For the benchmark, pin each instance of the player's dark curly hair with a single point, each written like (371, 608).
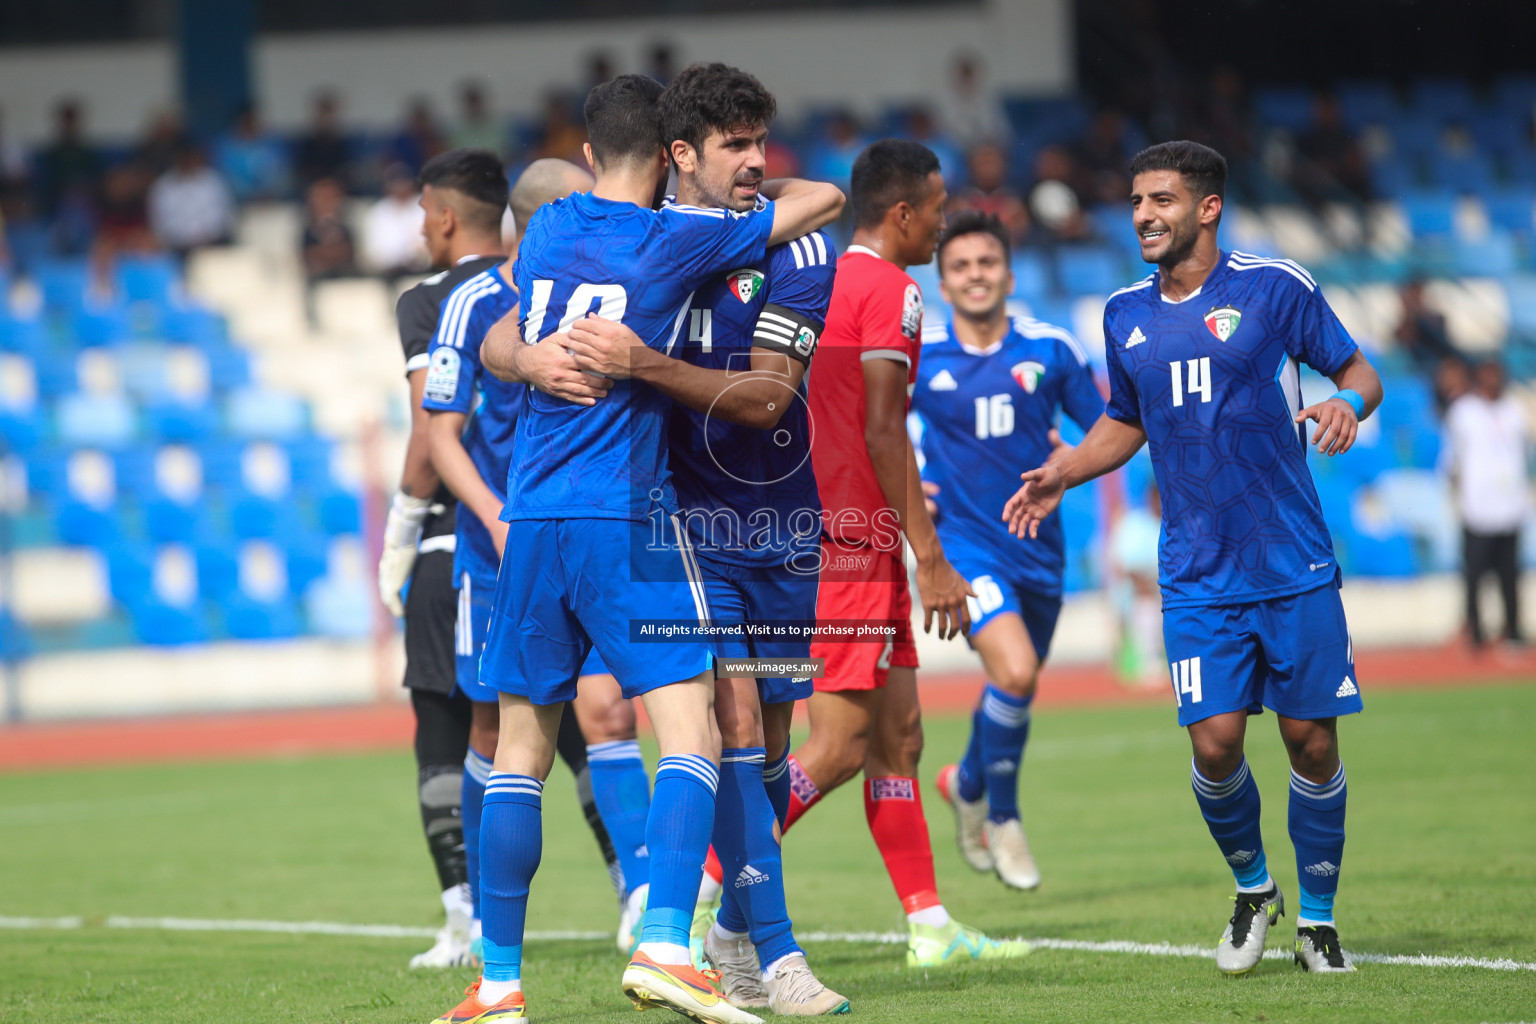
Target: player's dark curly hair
(1204, 170)
(477, 175)
(621, 119)
(889, 172)
(709, 97)
(975, 222)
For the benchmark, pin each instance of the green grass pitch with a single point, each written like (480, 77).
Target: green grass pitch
(1441, 860)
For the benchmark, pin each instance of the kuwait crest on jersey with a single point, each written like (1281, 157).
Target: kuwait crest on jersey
(1223, 322)
(745, 284)
(1028, 374)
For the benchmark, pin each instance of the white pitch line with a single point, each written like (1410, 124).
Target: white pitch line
(395, 931)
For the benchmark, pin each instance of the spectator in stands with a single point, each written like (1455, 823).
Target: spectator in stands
(1102, 157)
(419, 139)
(599, 70)
(972, 112)
(1486, 453)
(122, 212)
(477, 128)
(562, 136)
(254, 164)
(328, 249)
(323, 151)
(189, 205)
(392, 244)
(162, 144)
(1331, 165)
(1452, 380)
(1422, 332)
(831, 157)
(921, 127)
(1054, 204)
(663, 62)
(989, 191)
(15, 178)
(69, 168)
(1223, 120)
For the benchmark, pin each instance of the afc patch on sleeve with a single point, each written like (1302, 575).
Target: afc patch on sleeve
(911, 311)
(442, 376)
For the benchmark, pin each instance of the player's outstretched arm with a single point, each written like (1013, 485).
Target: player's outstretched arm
(800, 207)
(1337, 418)
(940, 588)
(547, 365)
(755, 397)
(408, 511)
(1107, 446)
(445, 430)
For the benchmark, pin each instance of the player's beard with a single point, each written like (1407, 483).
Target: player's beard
(1182, 237)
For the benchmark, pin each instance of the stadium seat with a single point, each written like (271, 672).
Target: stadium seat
(341, 511)
(1391, 177)
(1415, 137)
(1512, 209)
(1443, 100)
(1391, 556)
(163, 625)
(1287, 107)
(1367, 102)
(254, 413)
(229, 367)
(148, 278)
(22, 430)
(1031, 276)
(1466, 173)
(175, 421)
(1088, 270)
(253, 516)
(107, 421)
(95, 325)
(1494, 255)
(218, 569)
(221, 461)
(63, 283)
(84, 524)
(25, 335)
(248, 619)
(167, 521)
(307, 556)
(130, 571)
(1430, 214)
(16, 641)
(340, 609)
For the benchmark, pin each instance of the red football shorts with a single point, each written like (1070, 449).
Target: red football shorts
(863, 589)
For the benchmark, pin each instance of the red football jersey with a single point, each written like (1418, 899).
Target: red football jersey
(876, 313)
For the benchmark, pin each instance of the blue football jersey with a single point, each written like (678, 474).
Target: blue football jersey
(455, 380)
(1214, 381)
(748, 496)
(587, 254)
(985, 418)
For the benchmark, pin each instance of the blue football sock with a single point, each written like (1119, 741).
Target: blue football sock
(477, 772)
(776, 781)
(623, 795)
(972, 776)
(1231, 809)
(677, 832)
(1317, 833)
(750, 861)
(1004, 731)
(511, 842)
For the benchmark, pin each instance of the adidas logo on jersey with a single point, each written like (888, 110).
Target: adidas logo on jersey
(942, 381)
(1136, 337)
(1347, 688)
(1238, 858)
(750, 876)
(1323, 868)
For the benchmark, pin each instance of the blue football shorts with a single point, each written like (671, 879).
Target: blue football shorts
(739, 595)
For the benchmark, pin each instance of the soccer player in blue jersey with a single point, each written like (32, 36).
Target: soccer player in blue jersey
(739, 451)
(1203, 361)
(586, 484)
(472, 419)
(990, 390)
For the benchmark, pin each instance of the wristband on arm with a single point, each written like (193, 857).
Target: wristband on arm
(1353, 398)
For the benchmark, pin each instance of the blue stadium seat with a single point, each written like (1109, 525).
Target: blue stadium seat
(1513, 209)
(95, 325)
(1497, 131)
(1415, 137)
(16, 641)
(248, 619)
(22, 430)
(135, 471)
(106, 421)
(1520, 166)
(1088, 271)
(221, 461)
(194, 325)
(1392, 556)
(1445, 100)
(218, 569)
(1522, 306)
(24, 335)
(309, 462)
(1430, 214)
(341, 511)
(167, 521)
(172, 420)
(268, 415)
(1031, 276)
(148, 278)
(130, 571)
(1367, 102)
(163, 625)
(342, 609)
(1492, 256)
(1467, 173)
(307, 556)
(63, 282)
(56, 374)
(83, 524)
(1392, 176)
(253, 516)
(1287, 107)
(228, 367)
(1516, 93)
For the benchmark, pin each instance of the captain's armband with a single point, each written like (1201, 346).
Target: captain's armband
(784, 330)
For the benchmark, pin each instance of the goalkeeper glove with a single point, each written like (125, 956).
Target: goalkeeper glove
(402, 532)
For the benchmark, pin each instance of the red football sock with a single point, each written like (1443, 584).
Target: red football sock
(894, 807)
(803, 794)
(712, 866)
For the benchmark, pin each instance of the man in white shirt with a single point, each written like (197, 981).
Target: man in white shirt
(189, 205)
(1486, 455)
(392, 228)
